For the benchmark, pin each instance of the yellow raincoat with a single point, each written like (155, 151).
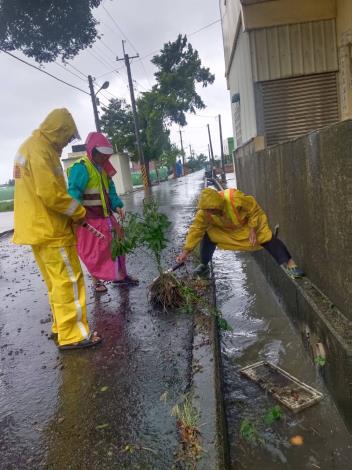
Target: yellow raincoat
(43, 209)
(229, 231)
(43, 217)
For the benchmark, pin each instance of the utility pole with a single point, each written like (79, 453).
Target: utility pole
(223, 175)
(211, 151)
(94, 103)
(145, 174)
(182, 149)
(190, 150)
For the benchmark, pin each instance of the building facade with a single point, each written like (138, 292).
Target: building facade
(288, 66)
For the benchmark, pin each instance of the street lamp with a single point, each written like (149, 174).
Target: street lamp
(93, 96)
(104, 86)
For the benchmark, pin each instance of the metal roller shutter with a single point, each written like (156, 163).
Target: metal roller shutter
(295, 106)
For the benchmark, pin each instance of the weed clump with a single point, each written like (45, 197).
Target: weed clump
(166, 292)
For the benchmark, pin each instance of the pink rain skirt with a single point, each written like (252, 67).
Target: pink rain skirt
(96, 252)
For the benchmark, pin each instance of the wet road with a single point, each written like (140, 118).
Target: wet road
(96, 408)
(6, 221)
(262, 331)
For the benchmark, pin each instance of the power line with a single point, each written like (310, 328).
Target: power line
(101, 60)
(204, 27)
(111, 71)
(44, 71)
(108, 47)
(77, 70)
(69, 71)
(187, 34)
(119, 28)
(99, 51)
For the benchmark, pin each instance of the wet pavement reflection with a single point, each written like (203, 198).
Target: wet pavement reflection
(262, 331)
(94, 408)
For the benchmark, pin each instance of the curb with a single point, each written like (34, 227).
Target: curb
(6, 232)
(326, 333)
(207, 394)
(207, 389)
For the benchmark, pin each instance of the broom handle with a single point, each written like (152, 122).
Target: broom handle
(178, 265)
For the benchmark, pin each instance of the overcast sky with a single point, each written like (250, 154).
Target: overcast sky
(28, 95)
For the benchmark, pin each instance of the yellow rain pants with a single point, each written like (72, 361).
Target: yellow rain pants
(62, 273)
(44, 213)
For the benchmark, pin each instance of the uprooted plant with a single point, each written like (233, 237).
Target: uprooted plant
(167, 290)
(129, 238)
(187, 421)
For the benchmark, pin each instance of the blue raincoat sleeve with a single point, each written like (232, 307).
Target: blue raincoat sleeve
(78, 178)
(115, 201)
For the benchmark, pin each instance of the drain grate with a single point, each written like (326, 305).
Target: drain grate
(285, 388)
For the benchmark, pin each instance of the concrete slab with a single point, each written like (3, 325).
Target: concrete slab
(97, 408)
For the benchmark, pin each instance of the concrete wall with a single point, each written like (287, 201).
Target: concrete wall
(123, 178)
(344, 44)
(280, 12)
(240, 80)
(293, 50)
(230, 11)
(305, 185)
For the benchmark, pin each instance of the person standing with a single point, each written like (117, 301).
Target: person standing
(90, 184)
(43, 218)
(233, 221)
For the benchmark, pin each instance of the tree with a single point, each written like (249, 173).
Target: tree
(169, 156)
(117, 123)
(47, 29)
(179, 70)
(155, 135)
(197, 163)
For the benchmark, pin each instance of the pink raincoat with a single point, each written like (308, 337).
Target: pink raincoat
(93, 251)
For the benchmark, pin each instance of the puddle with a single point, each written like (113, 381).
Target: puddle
(262, 331)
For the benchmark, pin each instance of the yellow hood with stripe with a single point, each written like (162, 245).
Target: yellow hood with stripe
(210, 199)
(43, 209)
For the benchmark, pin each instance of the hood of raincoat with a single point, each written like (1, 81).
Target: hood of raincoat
(98, 140)
(210, 199)
(59, 127)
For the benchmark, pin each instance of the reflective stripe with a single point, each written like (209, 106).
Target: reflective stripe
(105, 150)
(229, 196)
(20, 160)
(72, 207)
(94, 202)
(75, 292)
(92, 191)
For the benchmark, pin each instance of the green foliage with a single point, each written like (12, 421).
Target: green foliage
(174, 94)
(6, 206)
(7, 193)
(154, 133)
(154, 227)
(198, 162)
(273, 414)
(248, 431)
(320, 361)
(47, 29)
(117, 123)
(179, 70)
(132, 229)
(170, 155)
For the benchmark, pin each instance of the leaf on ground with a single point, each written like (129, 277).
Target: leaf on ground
(104, 389)
(102, 426)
